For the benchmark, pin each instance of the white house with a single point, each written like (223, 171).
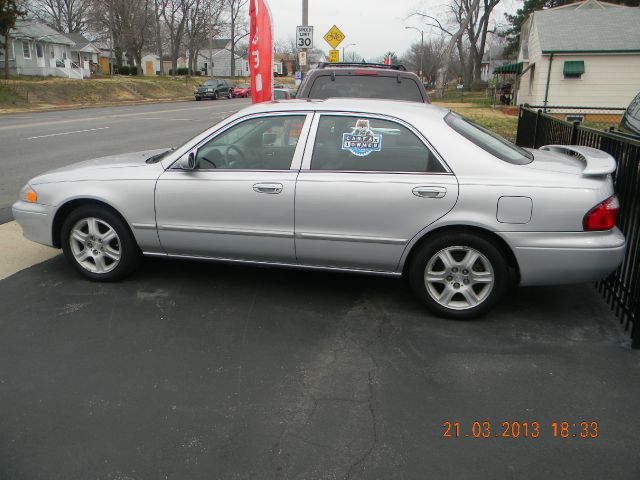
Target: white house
(493, 57)
(218, 54)
(84, 53)
(584, 54)
(36, 49)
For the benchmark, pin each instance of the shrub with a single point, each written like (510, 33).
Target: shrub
(124, 70)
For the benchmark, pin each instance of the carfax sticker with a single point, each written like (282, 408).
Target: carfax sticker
(362, 141)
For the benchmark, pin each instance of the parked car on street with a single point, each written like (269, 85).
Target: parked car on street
(362, 80)
(373, 186)
(214, 89)
(242, 90)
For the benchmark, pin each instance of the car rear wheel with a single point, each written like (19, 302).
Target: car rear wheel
(98, 244)
(229, 95)
(459, 275)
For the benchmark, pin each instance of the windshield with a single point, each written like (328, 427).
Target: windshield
(489, 141)
(210, 83)
(366, 86)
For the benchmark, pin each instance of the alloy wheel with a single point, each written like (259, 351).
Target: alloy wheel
(95, 245)
(459, 277)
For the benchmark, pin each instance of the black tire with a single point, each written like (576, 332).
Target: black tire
(457, 244)
(215, 95)
(129, 252)
(229, 96)
(198, 99)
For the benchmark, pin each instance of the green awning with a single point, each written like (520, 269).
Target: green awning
(573, 67)
(509, 68)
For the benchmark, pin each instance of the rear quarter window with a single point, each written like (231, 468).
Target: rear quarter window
(488, 141)
(366, 86)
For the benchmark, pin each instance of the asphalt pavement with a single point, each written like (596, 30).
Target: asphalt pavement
(207, 371)
(32, 143)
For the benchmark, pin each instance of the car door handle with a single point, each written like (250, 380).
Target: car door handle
(271, 188)
(430, 192)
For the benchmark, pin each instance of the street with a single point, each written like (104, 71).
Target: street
(33, 143)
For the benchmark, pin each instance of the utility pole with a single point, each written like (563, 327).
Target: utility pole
(305, 21)
(421, 49)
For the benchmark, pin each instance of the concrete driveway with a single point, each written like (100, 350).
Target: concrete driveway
(207, 371)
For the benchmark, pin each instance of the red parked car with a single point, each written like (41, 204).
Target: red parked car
(241, 90)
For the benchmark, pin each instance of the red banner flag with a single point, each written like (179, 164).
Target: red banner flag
(387, 60)
(260, 52)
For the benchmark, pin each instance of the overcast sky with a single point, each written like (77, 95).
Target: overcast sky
(375, 26)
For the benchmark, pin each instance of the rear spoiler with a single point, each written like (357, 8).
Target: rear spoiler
(596, 161)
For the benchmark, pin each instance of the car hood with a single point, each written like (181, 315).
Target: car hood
(103, 168)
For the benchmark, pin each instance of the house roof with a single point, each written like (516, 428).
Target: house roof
(588, 26)
(81, 43)
(218, 43)
(38, 31)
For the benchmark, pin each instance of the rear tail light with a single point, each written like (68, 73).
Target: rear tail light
(603, 216)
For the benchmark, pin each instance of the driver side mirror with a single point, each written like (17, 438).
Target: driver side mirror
(188, 161)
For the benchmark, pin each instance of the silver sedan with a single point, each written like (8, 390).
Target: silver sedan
(372, 186)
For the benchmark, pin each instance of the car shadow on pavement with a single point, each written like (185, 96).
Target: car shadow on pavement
(203, 370)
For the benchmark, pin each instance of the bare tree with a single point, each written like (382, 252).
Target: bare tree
(204, 22)
(470, 26)
(129, 23)
(431, 51)
(68, 16)
(238, 28)
(158, 12)
(175, 15)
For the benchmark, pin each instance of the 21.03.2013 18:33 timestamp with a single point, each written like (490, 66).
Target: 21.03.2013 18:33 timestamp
(516, 429)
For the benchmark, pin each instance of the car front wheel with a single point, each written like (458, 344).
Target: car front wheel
(98, 244)
(459, 275)
(215, 95)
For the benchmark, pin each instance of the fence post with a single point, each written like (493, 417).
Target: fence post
(574, 133)
(535, 129)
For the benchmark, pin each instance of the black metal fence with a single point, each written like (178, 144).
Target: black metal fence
(621, 290)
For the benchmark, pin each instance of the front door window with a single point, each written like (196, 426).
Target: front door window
(263, 143)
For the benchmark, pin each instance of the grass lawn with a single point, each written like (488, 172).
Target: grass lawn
(477, 107)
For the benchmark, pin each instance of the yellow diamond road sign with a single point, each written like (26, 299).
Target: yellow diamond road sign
(334, 37)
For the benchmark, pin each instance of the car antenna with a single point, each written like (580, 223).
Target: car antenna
(333, 76)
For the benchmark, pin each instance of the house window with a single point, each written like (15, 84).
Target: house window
(573, 69)
(64, 54)
(53, 54)
(39, 51)
(26, 51)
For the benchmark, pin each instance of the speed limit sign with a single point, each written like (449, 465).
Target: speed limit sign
(304, 36)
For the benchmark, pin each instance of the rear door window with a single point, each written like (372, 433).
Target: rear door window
(361, 143)
(366, 86)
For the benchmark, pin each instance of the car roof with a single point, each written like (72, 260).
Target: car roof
(393, 108)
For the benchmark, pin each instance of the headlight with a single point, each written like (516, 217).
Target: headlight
(209, 89)
(28, 194)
